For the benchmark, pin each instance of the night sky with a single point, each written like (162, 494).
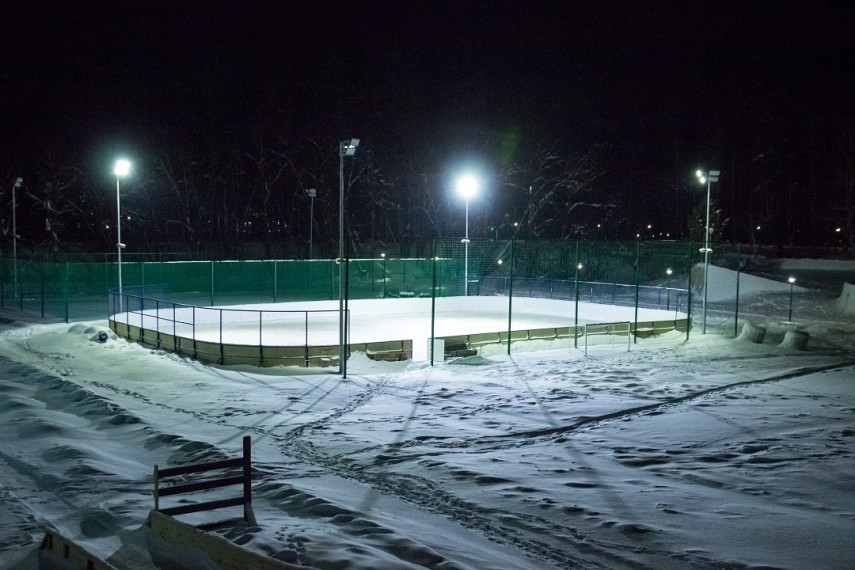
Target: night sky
(654, 88)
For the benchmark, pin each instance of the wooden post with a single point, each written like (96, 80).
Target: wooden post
(156, 490)
(247, 480)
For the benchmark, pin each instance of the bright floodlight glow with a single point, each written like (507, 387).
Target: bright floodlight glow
(579, 266)
(669, 271)
(703, 179)
(699, 173)
(791, 279)
(467, 186)
(122, 168)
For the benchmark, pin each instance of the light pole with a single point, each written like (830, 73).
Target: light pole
(121, 169)
(792, 281)
(576, 318)
(668, 272)
(345, 148)
(311, 193)
(383, 257)
(707, 177)
(467, 187)
(18, 182)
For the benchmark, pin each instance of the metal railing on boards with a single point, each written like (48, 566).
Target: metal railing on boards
(649, 296)
(153, 313)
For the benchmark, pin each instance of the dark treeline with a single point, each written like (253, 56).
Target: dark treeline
(247, 194)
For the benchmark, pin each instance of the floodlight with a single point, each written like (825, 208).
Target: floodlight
(467, 186)
(122, 168)
(348, 148)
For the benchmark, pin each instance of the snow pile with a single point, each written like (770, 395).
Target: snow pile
(722, 284)
(846, 301)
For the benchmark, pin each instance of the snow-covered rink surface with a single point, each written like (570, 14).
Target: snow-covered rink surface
(709, 453)
(316, 323)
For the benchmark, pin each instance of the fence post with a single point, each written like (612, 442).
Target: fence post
(66, 293)
(736, 309)
(247, 483)
(156, 489)
(432, 304)
(576, 295)
(511, 295)
(637, 277)
(212, 282)
(689, 294)
(222, 350)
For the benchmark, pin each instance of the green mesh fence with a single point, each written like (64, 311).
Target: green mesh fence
(617, 273)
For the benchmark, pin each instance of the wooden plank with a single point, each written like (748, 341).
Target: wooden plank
(200, 486)
(203, 506)
(199, 467)
(226, 554)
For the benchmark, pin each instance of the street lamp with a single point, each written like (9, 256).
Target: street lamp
(668, 272)
(576, 319)
(792, 281)
(312, 193)
(707, 178)
(345, 148)
(121, 169)
(18, 182)
(467, 187)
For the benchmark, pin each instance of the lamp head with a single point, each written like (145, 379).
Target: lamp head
(122, 168)
(18, 182)
(467, 186)
(348, 147)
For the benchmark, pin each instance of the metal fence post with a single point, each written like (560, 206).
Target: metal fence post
(738, 272)
(637, 284)
(433, 304)
(511, 295)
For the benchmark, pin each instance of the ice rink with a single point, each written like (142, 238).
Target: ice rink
(315, 323)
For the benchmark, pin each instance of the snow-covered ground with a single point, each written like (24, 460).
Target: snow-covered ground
(709, 453)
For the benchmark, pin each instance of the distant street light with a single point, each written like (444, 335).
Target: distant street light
(707, 178)
(345, 148)
(576, 318)
(18, 182)
(668, 272)
(792, 281)
(121, 169)
(467, 187)
(311, 193)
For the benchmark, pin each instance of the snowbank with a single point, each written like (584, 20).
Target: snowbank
(722, 285)
(846, 301)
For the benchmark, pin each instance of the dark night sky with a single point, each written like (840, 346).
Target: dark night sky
(652, 80)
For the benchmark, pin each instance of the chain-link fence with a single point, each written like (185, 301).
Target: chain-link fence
(622, 273)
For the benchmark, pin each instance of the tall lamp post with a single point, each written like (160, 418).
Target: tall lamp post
(707, 178)
(576, 317)
(792, 281)
(668, 272)
(18, 182)
(345, 148)
(467, 187)
(121, 169)
(311, 193)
